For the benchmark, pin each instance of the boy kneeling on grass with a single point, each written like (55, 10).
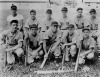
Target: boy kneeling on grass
(13, 38)
(87, 45)
(69, 40)
(34, 43)
(52, 40)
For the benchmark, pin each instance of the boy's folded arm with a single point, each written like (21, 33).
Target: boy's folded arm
(44, 46)
(38, 49)
(15, 47)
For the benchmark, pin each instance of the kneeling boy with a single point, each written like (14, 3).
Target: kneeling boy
(52, 40)
(69, 39)
(13, 39)
(34, 43)
(87, 45)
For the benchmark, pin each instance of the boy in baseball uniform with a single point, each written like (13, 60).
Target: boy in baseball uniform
(35, 50)
(69, 39)
(52, 39)
(13, 40)
(87, 46)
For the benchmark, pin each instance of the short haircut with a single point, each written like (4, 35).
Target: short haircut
(13, 7)
(64, 9)
(79, 8)
(93, 11)
(49, 11)
(14, 21)
(33, 11)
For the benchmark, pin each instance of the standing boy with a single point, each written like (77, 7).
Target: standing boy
(48, 20)
(31, 20)
(79, 20)
(94, 23)
(64, 20)
(15, 16)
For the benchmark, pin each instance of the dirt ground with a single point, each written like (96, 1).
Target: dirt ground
(28, 71)
(18, 70)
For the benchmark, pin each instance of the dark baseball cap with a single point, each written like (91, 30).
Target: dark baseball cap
(49, 11)
(85, 28)
(54, 23)
(33, 11)
(70, 26)
(79, 8)
(92, 11)
(64, 9)
(13, 7)
(33, 26)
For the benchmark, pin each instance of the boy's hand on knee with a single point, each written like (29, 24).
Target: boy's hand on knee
(53, 49)
(82, 55)
(26, 35)
(4, 46)
(7, 49)
(46, 55)
(63, 46)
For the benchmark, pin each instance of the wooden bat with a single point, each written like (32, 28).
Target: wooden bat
(63, 59)
(77, 61)
(26, 52)
(44, 61)
(26, 48)
(5, 54)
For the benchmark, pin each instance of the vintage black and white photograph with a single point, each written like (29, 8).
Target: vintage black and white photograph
(49, 38)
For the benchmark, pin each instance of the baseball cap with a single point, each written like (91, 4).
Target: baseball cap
(85, 28)
(33, 26)
(13, 7)
(54, 23)
(93, 10)
(79, 8)
(64, 9)
(49, 11)
(33, 11)
(70, 26)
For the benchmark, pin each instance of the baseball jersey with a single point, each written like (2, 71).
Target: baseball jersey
(29, 22)
(35, 41)
(13, 39)
(79, 22)
(94, 23)
(98, 41)
(66, 38)
(86, 44)
(47, 24)
(52, 37)
(64, 22)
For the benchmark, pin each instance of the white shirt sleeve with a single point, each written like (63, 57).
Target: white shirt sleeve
(8, 18)
(22, 17)
(26, 24)
(46, 35)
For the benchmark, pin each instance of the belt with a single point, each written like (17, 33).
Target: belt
(63, 29)
(94, 29)
(79, 28)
